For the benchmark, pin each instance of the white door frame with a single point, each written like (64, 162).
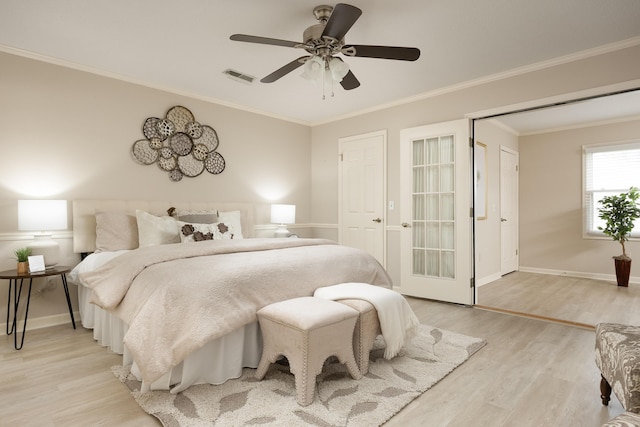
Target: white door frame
(341, 142)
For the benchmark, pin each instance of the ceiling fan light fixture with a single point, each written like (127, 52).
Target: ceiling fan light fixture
(338, 69)
(313, 69)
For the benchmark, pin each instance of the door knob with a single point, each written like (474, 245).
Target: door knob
(503, 220)
(378, 220)
(406, 225)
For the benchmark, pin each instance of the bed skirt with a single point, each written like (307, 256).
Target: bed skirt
(218, 361)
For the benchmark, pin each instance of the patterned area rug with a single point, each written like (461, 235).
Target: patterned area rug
(340, 401)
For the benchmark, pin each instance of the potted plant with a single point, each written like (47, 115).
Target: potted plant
(22, 255)
(620, 212)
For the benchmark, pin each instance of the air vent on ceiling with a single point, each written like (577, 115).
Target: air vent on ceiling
(238, 76)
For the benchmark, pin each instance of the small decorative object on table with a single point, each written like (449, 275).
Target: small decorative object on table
(22, 255)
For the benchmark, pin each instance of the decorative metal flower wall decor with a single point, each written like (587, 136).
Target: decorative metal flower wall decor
(179, 144)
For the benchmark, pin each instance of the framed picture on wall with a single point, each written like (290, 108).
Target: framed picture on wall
(480, 179)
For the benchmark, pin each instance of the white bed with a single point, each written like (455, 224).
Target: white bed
(215, 361)
(233, 352)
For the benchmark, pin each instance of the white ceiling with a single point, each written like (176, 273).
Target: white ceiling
(184, 45)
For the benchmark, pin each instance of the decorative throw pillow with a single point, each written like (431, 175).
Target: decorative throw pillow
(197, 232)
(233, 220)
(156, 230)
(115, 231)
(195, 216)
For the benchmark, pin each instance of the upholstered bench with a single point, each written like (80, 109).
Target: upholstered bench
(366, 330)
(626, 419)
(307, 331)
(618, 358)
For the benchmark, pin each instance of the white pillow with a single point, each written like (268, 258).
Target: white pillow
(156, 230)
(233, 220)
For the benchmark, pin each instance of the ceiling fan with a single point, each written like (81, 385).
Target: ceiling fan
(325, 40)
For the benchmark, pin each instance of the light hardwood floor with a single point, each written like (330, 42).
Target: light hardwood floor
(531, 373)
(573, 299)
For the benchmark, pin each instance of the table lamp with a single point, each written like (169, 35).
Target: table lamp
(43, 216)
(281, 215)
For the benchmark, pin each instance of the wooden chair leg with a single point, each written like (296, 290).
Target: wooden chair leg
(605, 391)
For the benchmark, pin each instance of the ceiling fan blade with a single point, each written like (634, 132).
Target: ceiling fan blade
(383, 52)
(282, 71)
(349, 81)
(341, 20)
(263, 40)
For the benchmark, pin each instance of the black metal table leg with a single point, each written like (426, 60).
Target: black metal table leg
(9, 332)
(16, 303)
(66, 292)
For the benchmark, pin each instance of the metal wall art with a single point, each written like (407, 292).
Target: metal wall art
(179, 145)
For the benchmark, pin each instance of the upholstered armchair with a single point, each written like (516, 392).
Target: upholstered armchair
(618, 358)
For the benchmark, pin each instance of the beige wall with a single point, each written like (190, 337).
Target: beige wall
(67, 134)
(551, 202)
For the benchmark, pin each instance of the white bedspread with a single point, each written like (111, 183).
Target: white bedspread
(177, 297)
(398, 322)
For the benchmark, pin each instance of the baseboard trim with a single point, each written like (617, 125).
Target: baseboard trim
(46, 321)
(582, 275)
(488, 279)
(536, 317)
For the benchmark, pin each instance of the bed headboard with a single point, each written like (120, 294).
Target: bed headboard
(84, 220)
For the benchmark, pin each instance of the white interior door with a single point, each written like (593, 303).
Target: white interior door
(508, 210)
(363, 193)
(436, 212)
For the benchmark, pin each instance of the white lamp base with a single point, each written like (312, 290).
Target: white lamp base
(44, 245)
(282, 232)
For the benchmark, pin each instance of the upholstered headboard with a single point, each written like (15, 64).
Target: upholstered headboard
(84, 220)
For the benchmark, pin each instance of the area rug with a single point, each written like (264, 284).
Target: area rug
(340, 401)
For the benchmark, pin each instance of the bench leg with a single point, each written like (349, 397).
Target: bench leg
(605, 391)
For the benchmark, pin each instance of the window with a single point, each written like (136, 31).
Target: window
(608, 170)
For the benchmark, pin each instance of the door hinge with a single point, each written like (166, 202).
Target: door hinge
(471, 212)
(472, 283)
(341, 159)
(470, 142)
(516, 252)
(517, 169)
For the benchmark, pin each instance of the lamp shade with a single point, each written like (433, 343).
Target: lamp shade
(283, 214)
(42, 215)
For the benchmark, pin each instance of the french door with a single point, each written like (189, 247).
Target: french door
(436, 201)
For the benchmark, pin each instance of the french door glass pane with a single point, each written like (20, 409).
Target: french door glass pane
(433, 179)
(418, 152)
(448, 265)
(418, 179)
(418, 263)
(447, 153)
(433, 263)
(446, 212)
(419, 235)
(433, 207)
(432, 151)
(447, 239)
(446, 178)
(433, 235)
